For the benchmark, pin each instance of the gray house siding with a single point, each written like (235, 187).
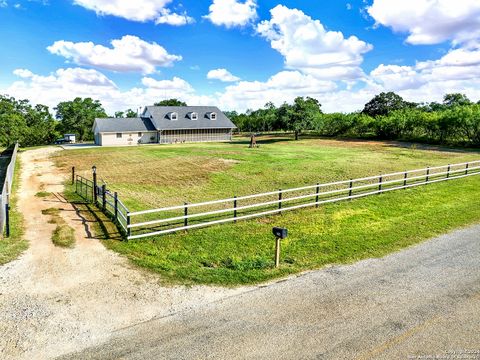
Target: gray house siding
(166, 125)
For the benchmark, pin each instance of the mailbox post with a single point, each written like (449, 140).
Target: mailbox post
(280, 234)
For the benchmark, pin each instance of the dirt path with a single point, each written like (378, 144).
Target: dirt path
(54, 301)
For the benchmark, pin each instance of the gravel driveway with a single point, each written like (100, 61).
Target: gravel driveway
(54, 300)
(421, 301)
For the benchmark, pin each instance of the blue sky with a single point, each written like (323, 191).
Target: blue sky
(238, 54)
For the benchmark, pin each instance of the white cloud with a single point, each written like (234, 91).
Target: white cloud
(284, 86)
(128, 54)
(174, 19)
(222, 75)
(430, 21)
(231, 13)
(3, 3)
(67, 84)
(139, 10)
(456, 65)
(307, 46)
(175, 85)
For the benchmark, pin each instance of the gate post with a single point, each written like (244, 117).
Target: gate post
(115, 198)
(7, 220)
(104, 197)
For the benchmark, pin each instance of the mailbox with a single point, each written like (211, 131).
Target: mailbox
(279, 232)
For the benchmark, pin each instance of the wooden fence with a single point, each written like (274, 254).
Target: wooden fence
(6, 193)
(154, 222)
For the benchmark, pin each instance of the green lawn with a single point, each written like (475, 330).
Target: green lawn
(155, 176)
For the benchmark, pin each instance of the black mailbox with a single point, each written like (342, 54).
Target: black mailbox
(279, 232)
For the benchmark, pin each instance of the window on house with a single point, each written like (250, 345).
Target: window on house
(173, 116)
(139, 134)
(119, 135)
(194, 116)
(213, 116)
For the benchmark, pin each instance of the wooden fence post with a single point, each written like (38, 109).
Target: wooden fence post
(185, 213)
(405, 175)
(277, 251)
(73, 175)
(428, 173)
(380, 179)
(448, 171)
(466, 169)
(350, 188)
(235, 208)
(317, 197)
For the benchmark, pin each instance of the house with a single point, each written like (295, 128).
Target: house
(165, 125)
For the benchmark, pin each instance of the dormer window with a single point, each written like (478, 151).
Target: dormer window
(212, 116)
(172, 116)
(193, 116)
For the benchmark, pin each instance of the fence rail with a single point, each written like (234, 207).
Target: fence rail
(6, 192)
(153, 222)
(107, 201)
(275, 202)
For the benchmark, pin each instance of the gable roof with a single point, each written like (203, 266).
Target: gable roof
(161, 120)
(123, 125)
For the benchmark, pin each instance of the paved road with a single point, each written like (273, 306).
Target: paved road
(422, 301)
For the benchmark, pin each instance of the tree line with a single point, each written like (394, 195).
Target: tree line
(34, 125)
(387, 116)
(455, 121)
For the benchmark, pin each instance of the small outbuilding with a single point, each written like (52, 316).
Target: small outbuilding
(70, 138)
(165, 125)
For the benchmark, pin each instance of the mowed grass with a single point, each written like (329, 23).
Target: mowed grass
(242, 253)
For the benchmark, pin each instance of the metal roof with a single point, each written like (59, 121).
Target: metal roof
(161, 120)
(123, 125)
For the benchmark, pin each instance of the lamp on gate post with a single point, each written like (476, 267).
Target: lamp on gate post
(94, 171)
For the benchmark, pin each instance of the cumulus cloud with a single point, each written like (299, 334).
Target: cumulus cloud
(283, 86)
(67, 84)
(430, 21)
(456, 65)
(307, 46)
(128, 54)
(231, 13)
(167, 17)
(139, 10)
(222, 75)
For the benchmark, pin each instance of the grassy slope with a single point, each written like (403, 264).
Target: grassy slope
(243, 253)
(12, 247)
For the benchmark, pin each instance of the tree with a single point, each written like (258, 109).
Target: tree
(30, 125)
(77, 116)
(131, 114)
(126, 114)
(456, 99)
(384, 103)
(303, 114)
(170, 102)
